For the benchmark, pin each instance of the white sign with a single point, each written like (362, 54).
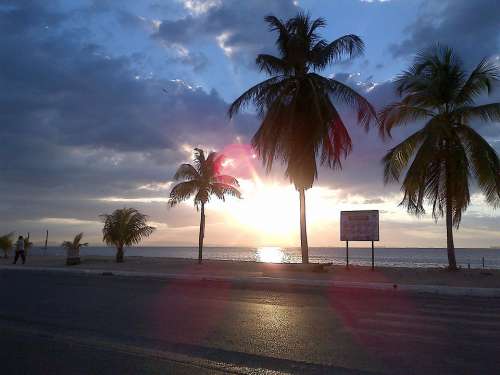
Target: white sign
(359, 225)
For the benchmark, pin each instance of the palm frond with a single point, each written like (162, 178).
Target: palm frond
(421, 182)
(186, 172)
(202, 196)
(226, 179)
(323, 54)
(332, 134)
(275, 24)
(346, 95)
(199, 158)
(435, 77)
(338, 144)
(259, 95)
(315, 25)
(400, 113)
(397, 159)
(481, 80)
(75, 244)
(273, 65)
(182, 191)
(486, 112)
(485, 163)
(221, 190)
(301, 25)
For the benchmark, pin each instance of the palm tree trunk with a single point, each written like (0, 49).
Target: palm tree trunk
(119, 254)
(202, 234)
(452, 262)
(303, 230)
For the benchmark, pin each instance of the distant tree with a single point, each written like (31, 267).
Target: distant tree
(202, 180)
(6, 243)
(125, 227)
(73, 249)
(300, 121)
(441, 158)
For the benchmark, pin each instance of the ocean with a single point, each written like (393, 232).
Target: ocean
(386, 257)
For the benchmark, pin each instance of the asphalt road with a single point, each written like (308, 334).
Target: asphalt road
(68, 324)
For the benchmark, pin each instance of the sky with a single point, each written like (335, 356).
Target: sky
(100, 101)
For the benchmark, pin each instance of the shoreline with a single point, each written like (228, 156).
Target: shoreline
(425, 258)
(56, 246)
(384, 257)
(489, 278)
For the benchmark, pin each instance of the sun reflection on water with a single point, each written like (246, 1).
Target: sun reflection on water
(270, 255)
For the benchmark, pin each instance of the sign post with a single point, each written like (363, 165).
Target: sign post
(347, 254)
(359, 226)
(373, 257)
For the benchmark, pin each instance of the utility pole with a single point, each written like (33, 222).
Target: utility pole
(46, 239)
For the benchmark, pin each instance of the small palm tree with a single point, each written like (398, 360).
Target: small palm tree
(202, 180)
(299, 119)
(6, 243)
(73, 249)
(125, 227)
(441, 157)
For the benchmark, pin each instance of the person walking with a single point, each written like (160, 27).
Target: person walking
(20, 250)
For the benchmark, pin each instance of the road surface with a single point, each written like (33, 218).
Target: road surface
(72, 324)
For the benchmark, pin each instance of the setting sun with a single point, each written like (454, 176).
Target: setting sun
(272, 209)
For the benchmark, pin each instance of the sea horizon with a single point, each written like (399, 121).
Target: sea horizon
(413, 257)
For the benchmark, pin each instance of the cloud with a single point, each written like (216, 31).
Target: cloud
(66, 221)
(237, 27)
(85, 130)
(78, 124)
(469, 26)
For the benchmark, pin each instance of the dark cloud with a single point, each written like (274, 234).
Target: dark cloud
(21, 16)
(238, 26)
(78, 125)
(472, 27)
(197, 60)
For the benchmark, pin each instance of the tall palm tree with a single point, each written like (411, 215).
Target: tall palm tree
(6, 243)
(124, 227)
(441, 157)
(202, 180)
(73, 249)
(296, 104)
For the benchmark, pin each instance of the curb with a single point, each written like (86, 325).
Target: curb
(264, 281)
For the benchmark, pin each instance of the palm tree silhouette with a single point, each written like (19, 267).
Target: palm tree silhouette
(203, 179)
(446, 152)
(124, 227)
(6, 243)
(73, 249)
(299, 119)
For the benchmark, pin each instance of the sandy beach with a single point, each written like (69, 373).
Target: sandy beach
(399, 275)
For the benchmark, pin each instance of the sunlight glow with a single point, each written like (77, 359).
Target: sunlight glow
(269, 208)
(270, 255)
